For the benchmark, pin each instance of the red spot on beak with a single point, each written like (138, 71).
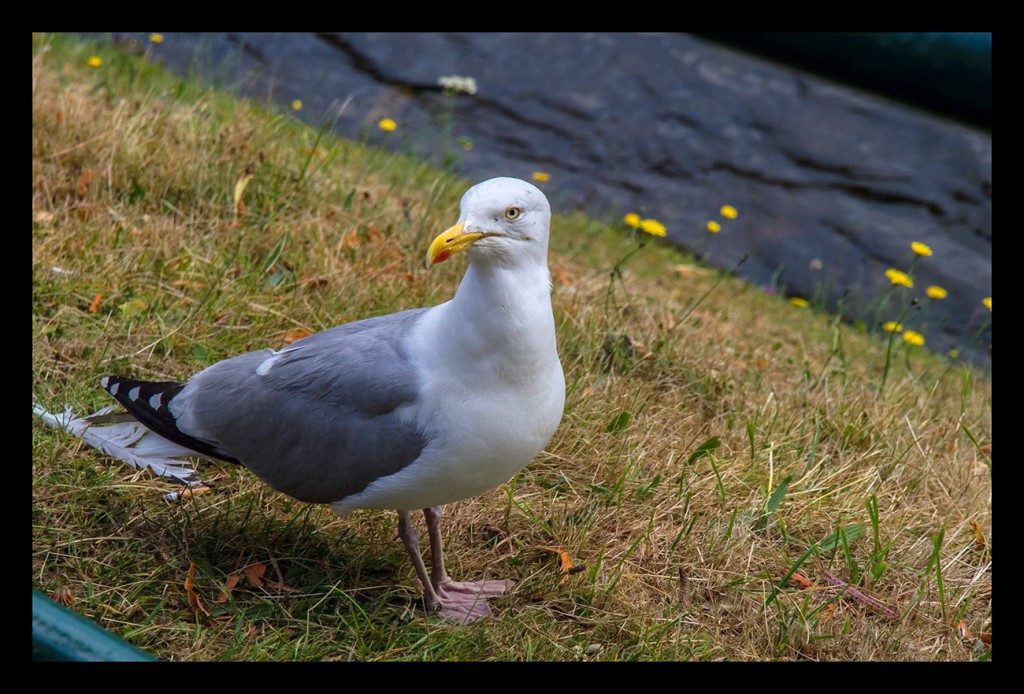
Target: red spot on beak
(442, 256)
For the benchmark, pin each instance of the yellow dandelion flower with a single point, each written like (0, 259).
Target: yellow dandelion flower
(901, 278)
(541, 176)
(156, 38)
(714, 227)
(632, 219)
(913, 338)
(920, 248)
(94, 61)
(653, 227)
(297, 105)
(936, 292)
(988, 303)
(387, 125)
(893, 327)
(815, 264)
(729, 212)
(798, 302)
(954, 353)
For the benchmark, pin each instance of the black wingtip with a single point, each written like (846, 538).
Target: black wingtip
(148, 402)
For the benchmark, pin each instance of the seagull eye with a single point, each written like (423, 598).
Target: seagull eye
(513, 213)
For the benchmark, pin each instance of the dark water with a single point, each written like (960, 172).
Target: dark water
(832, 184)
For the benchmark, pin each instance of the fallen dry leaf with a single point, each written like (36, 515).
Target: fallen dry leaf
(229, 585)
(567, 567)
(979, 537)
(95, 305)
(800, 581)
(193, 598)
(190, 492)
(827, 613)
(963, 629)
(986, 637)
(63, 596)
(351, 240)
(296, 334)
(566, 564)
(254, 573)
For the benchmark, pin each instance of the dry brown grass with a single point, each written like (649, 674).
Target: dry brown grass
(676, 555)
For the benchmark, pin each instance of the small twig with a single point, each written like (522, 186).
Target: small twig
(874, 603)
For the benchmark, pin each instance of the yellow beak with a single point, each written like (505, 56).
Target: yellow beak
(453, 241)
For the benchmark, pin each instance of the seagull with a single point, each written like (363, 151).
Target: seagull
(406, 411)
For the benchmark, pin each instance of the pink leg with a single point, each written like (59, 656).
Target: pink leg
(461, 602)
(410, 537)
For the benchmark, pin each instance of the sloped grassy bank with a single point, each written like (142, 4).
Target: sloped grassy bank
(726, 461)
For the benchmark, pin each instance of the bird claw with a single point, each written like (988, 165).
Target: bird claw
(465, 602)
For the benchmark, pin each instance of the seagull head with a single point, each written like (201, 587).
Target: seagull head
(502, 220)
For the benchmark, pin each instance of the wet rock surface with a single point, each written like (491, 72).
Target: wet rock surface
(832, 184)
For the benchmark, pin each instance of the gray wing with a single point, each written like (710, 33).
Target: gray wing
(320, 423)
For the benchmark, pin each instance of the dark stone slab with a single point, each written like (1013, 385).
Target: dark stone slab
(832, 184)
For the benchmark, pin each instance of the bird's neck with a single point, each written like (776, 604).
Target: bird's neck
(509, 309)
(508, 293)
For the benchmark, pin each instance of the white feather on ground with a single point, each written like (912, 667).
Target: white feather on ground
(129, 442)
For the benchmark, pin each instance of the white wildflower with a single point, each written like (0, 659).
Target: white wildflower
(457, 84)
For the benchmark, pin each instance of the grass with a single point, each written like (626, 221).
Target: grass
(722, 453)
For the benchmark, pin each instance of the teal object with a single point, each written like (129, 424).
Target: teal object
(948, 73)
(60, 634)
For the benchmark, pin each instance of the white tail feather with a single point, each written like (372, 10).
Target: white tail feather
(129, 442)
